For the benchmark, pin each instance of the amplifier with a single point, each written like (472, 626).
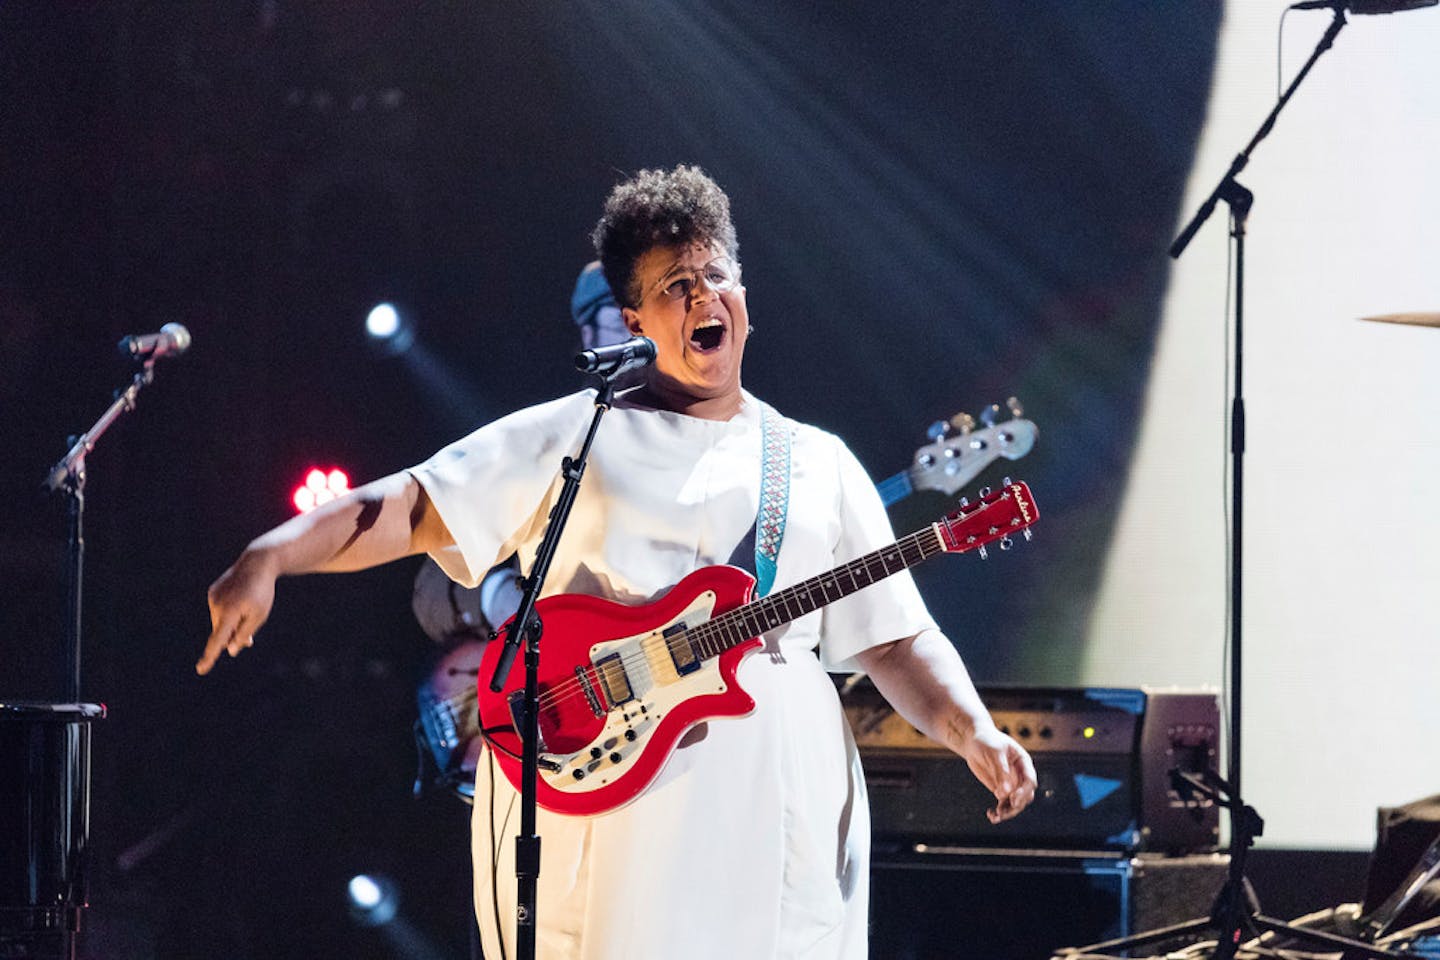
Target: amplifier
(1026, 906)
(1102, 756)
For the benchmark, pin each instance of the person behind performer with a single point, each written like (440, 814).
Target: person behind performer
(753, 839)
(597, 316)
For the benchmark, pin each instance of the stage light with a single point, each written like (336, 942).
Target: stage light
(373, 901)
(389, 329)
(383, 321)
(320, 486)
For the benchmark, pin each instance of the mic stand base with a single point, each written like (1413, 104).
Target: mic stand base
(1236, 910)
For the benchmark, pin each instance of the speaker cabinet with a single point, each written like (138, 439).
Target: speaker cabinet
(1012, 905)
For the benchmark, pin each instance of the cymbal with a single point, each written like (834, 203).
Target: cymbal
(1413, 319)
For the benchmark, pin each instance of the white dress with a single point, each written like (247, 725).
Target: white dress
(753, 842)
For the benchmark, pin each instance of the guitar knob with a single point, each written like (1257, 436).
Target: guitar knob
(990, 415)
(962, 422)
(1016, 410)
(984, 492)
(937, 430)
(926, 459)
(1006, 543)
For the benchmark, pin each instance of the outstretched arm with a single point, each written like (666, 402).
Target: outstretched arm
(374, 524)
(925, 680)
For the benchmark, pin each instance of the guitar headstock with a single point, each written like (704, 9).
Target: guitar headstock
(960, 449)
(996, 515)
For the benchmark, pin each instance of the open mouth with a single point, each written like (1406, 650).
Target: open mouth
(707, 335)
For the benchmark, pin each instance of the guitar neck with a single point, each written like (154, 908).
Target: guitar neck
(728, 630)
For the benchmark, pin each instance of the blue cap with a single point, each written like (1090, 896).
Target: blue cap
(591, 294)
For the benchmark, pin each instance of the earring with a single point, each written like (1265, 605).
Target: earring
(749, 331)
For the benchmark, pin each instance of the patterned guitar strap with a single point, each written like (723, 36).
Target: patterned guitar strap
(774, 496)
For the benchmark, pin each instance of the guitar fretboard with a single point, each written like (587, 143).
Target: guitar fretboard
(714, 637)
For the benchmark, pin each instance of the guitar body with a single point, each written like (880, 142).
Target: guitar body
(619, 686)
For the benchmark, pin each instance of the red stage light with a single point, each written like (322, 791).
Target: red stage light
(320, 486)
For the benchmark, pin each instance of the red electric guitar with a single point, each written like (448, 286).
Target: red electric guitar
(620, 685)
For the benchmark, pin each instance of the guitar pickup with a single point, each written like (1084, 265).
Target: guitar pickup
(682, 652)
(614, 681)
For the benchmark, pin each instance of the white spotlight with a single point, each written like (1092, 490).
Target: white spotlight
(389, 329)
(383, 321)
(373, 901)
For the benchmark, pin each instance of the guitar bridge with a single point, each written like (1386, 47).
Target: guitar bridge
(592, 697)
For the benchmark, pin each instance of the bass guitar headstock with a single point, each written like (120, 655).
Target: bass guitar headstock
(960, 448)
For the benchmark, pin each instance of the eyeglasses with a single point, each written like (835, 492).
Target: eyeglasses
(721, 275)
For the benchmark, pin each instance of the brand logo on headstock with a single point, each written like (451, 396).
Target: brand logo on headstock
(1021, 502)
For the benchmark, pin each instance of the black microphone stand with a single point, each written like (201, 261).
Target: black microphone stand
(1236, 910)
(69, 475)
(526, 626)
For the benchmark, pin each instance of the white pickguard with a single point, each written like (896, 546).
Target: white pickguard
(656, 686)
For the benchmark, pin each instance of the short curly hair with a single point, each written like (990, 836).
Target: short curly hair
(659, 207)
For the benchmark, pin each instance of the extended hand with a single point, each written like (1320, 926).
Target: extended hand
(1005, 769)
(240, 601)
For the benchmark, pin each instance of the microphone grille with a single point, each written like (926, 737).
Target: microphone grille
(179, 336)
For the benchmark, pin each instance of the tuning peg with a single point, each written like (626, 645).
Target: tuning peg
(1006, 543)
(937, 430)
(1005, 482)
(962, 422)
(984, 492)
(1015, 409)
(984, 554)
(990, 415)
(1027, 534)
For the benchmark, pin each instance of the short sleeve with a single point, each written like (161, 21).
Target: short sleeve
(888, 610)
(491, 488)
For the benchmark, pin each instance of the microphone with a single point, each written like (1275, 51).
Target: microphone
(616, 359)
(1366, 7)
(172, 340)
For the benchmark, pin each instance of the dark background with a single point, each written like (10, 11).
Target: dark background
(939, 206)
